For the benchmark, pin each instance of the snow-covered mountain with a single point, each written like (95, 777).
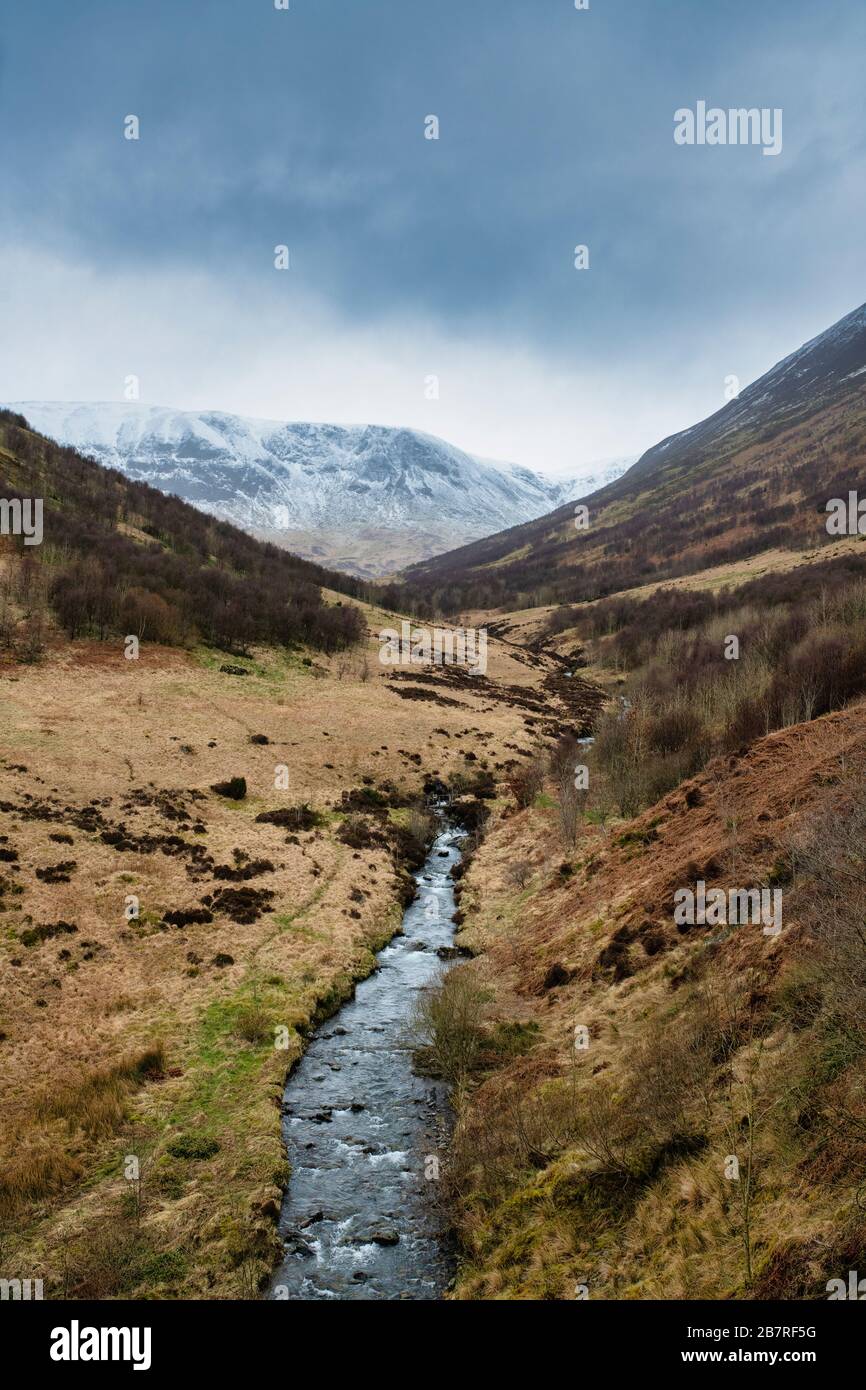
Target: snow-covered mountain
(366, 498)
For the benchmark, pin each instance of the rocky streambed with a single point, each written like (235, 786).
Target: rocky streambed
(365, 1134)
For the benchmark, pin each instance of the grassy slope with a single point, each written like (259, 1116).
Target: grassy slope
(537, 1224)
(88, 726)
(681, 519)
(127, 1038)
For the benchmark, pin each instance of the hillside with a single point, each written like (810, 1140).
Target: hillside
(654, 1106)
(362, 498)
(755, 476)
(198, 849)
(118, 557)
(606, 1060)
(594, 1161)
(204, 847)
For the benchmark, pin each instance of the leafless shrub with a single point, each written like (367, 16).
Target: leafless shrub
(830, 898)
(526, 782)
(570, 808)
(563, 757)
(447, 1025)
(519, 873)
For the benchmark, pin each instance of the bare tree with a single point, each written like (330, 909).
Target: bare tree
(571, 804)
(447, 1025)
(519, 873)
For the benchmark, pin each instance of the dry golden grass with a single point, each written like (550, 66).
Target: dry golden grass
(82, 1012)
(536, 1227)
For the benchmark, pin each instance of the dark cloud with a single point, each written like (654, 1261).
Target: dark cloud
(305, 127)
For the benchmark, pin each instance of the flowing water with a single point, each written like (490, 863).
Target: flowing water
(363, 1133)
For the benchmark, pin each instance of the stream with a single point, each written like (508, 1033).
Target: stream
(359, 1218)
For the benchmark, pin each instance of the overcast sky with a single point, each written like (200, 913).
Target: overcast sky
(413, 257)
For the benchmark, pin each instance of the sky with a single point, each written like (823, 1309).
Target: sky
(412, 258)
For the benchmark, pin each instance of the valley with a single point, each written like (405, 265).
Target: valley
(649, 1028)
(432, 677)
(153, 1038)
(367, 499)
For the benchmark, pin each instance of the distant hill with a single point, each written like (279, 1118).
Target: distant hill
(363, 498)
(120, 557)
(755, 475)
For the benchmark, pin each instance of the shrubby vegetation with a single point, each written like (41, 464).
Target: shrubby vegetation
(448, 1027)
(675, 521)
(802, 643)
(621, 1171)
(121, 558)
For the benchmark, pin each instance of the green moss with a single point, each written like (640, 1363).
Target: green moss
(163, 1267)
(637, 837)
(513, 1039)
(193, 1146)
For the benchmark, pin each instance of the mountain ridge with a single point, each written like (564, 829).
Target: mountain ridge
(753, 475)
(819, 367)
(331, 493)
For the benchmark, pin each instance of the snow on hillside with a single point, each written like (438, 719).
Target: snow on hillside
(272, 476)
